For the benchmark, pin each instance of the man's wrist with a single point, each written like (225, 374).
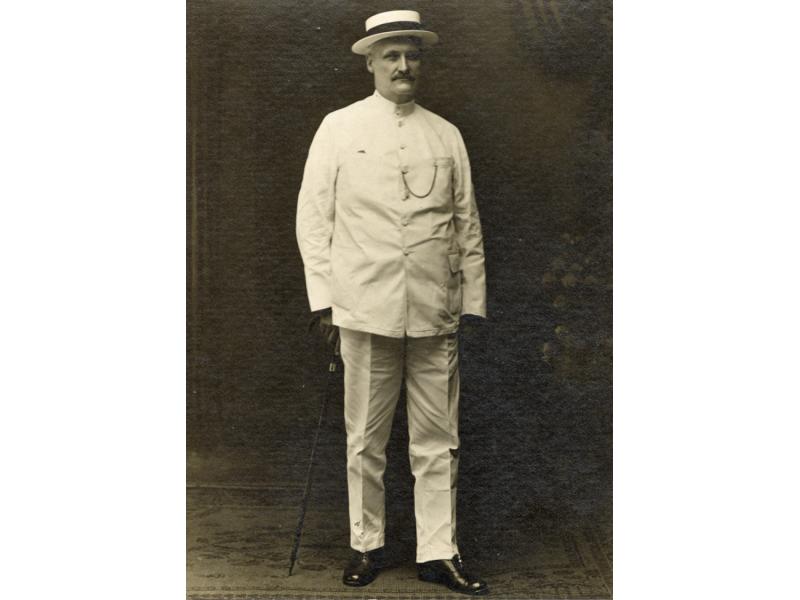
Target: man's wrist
(472, 317)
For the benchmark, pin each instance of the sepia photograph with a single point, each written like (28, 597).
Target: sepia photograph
(399, 299)
(380, 300)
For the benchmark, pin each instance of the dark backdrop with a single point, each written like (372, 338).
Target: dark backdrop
(528, 83)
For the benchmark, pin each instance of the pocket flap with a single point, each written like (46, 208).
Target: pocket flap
(455, 262)
(443, 161)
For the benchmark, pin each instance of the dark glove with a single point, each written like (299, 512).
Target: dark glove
(469, 323)
(323, 320)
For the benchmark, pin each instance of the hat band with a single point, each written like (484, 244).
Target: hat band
(393, 26)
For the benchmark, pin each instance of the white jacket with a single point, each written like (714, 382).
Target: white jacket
(386, 261)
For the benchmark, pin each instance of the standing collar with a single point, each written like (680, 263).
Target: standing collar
(385, 105)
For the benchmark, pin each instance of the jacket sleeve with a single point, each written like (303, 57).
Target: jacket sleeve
(469, 235)
(315, 211)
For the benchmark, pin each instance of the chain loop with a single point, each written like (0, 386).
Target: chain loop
(435, 171)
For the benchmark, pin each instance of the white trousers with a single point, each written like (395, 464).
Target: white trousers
(374, 369)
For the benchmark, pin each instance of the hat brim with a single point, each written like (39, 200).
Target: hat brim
(362, 46)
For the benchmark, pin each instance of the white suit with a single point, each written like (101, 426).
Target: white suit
(390, 237)
(386, 261)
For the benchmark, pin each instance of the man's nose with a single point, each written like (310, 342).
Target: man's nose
(403, 63)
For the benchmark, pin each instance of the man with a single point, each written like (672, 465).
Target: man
(391, 243)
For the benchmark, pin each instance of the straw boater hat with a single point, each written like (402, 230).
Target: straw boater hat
(393, 23)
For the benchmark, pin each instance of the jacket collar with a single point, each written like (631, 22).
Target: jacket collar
(389, 107)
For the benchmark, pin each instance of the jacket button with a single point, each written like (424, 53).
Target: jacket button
(405, 251)
(405, 222)
(399, 123)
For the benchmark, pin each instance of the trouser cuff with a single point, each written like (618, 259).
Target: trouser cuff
(367, 545)
(436, 553)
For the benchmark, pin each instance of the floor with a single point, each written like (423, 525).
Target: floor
(243, 506)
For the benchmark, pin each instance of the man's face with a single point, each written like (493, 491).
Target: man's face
(395, 63)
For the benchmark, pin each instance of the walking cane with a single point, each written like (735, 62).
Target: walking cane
(328, 388)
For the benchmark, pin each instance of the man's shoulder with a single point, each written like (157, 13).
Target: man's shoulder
(434, 117)
(437, 121)
(346, 113)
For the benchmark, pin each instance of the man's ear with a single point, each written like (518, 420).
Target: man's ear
(370, 68)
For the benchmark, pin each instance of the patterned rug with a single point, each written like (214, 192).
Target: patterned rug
(239, 539)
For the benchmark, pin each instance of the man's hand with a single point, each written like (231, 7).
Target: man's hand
(323, 320)
(469, 323)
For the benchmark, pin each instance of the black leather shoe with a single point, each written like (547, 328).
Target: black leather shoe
(363, 567)
(451, 573)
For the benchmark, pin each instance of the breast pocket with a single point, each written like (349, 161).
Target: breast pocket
(443, 168)
(444, 162)
(431, 180)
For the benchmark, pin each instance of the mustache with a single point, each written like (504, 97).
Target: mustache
(407, 77)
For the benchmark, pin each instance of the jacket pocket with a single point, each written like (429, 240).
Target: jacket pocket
(443, 162)
(440, 184)
(455, 262)
(454, 285)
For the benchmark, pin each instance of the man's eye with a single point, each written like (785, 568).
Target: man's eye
(414, 56)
